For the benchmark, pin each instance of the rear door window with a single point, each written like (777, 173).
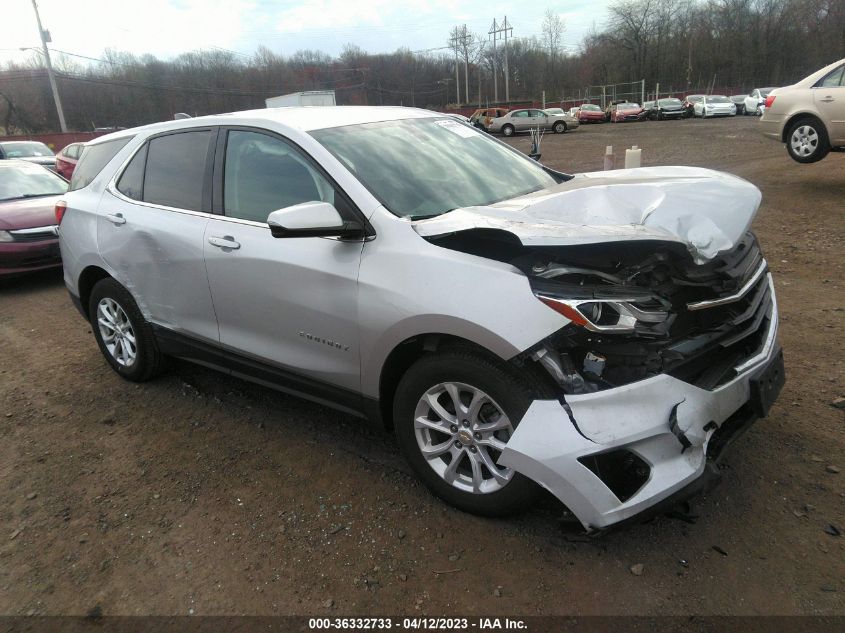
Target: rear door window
(94, 158)
(175, 171)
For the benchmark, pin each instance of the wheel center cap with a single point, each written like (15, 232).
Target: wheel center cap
(465, 437)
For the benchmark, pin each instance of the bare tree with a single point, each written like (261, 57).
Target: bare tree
(553, 28)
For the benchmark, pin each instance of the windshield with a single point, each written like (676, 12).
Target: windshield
(670, 102)
(591, 108)
(28, 181)
(26, 149)
(421, 168)
(718, 99)
(628, 106)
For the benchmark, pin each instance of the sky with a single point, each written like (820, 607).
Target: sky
(165, 28)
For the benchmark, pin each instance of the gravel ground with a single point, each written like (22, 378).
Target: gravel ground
(202, 494)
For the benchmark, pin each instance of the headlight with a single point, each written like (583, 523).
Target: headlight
(5, 236)
(603, 315)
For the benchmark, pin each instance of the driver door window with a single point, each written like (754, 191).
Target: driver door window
(262, 174)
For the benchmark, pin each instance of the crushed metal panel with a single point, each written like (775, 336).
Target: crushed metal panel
(706, 210)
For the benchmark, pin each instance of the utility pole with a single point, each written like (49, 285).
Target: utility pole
(493, 31)
(45, 37)
(502, 28)
(505, 27)
(460, 38)
(465, 36)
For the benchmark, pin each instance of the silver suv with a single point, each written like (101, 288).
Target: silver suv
(602, 336)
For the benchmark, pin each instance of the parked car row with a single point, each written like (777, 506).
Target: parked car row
(40, 154)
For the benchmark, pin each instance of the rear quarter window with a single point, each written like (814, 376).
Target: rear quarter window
(174, 175)
(94, 158)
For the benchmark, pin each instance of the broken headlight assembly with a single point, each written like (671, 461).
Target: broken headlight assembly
(604, 315)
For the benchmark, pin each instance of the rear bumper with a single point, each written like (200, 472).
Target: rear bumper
(771, 126)
(669, 430)
(22, 257)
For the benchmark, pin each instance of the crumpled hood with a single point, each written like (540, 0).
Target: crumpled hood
(708, 211)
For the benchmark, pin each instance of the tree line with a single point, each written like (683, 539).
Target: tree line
(683, 45)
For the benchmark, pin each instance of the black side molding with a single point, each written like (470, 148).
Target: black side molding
(257, 371)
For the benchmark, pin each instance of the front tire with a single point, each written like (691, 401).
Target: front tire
(559, 127)
(807, 141)
(123, 336)
(507, 130)
(453, 413)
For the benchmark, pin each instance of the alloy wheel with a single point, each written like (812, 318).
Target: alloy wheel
(461, 431)
(117, 332)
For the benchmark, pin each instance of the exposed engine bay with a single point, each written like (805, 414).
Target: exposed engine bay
(637, 309)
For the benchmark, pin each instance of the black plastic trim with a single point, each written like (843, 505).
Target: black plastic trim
(77, 303)
(260, 372)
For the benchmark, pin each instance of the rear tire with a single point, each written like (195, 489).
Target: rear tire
(464, 441)
(123, 336)
(807, 141)
(559, 127)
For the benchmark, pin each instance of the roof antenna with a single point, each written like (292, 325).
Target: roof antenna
(181, 115)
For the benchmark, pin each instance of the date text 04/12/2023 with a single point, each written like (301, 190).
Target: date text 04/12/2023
(418, 623)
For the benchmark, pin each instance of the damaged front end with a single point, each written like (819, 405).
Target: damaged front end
(664, 361)
(665, 358)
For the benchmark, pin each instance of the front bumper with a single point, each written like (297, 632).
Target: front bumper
(669, 426)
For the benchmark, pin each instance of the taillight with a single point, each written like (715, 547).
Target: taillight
(61, 207)
(769, 101)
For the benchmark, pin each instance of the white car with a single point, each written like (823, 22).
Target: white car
(601, 336)
(755, 102)
(714, 105)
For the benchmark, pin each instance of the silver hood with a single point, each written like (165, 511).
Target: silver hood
(708, 211)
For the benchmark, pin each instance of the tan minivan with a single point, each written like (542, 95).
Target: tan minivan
(809, 116)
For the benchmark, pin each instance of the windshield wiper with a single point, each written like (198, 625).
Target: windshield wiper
(429, 215)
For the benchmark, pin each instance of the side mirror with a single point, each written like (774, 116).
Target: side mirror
(312, 219)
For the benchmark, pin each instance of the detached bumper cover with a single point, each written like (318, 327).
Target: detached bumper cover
(663, 421)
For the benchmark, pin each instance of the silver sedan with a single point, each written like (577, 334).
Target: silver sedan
(529, 119)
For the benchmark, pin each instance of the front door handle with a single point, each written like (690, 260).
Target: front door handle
(227, 241)
(116, 218)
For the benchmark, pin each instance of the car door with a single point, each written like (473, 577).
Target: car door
(829, 96)
(521, 120)
(539, 119)
(151, 230)
(289, 302)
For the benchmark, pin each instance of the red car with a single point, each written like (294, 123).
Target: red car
(28, 237)
(627, 112)
(67, 158)
(590, 113)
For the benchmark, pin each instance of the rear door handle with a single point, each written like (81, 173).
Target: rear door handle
(116, 218)
(226, 241)
(828, 99)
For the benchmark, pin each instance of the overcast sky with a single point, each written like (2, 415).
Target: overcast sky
(166, 28)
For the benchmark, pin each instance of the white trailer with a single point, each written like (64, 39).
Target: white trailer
(307, 98)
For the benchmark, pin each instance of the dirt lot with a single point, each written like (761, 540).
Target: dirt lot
(202, 494)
